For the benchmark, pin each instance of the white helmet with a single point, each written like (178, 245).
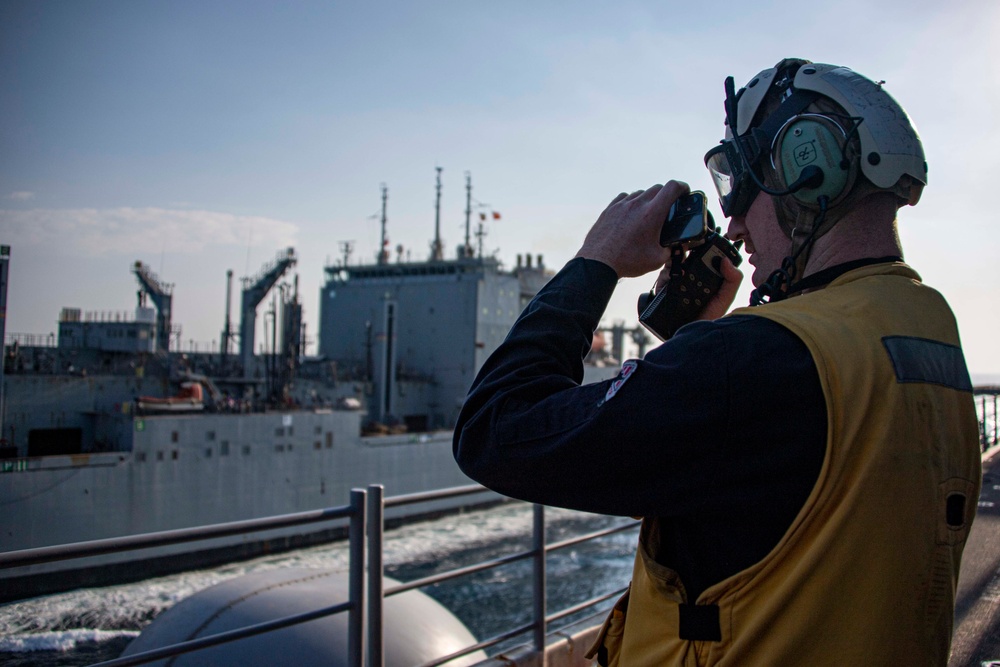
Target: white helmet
(782, 123)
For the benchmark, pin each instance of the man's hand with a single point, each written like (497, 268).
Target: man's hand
(723, 299)
(626, 235)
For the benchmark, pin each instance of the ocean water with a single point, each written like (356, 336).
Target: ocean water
(90, 625)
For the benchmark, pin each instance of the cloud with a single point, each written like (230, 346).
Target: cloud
(21, 195)
(105, 232)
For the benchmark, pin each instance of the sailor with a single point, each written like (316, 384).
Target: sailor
(807, 469)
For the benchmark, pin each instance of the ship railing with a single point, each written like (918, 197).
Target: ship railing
(986, 409)
(365, 510)
(541, 621)
(29, 340)
(354, 511)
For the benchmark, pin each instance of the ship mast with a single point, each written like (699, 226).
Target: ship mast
(227, 332)
(436, 254)
(383, 253)
(467, 248)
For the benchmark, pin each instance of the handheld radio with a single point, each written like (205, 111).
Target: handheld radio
(694, 280)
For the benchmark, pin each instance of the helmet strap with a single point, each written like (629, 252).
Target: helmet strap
(775, 288)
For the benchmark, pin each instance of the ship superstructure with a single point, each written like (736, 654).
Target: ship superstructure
(111, 430)
(419, 332)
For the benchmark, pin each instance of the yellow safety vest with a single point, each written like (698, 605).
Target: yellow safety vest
(866, 574)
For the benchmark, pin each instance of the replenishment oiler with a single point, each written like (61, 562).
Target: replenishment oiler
(108, 430)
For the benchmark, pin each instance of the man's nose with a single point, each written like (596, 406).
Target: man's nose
(737, 228)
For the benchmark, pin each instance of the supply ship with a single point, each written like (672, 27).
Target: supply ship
(108, 430)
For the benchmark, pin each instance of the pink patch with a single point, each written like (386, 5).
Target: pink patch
(627, 369)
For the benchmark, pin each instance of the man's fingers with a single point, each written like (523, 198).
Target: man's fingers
(662, 279)
(732, 278)
(650, 192)
(672, 191)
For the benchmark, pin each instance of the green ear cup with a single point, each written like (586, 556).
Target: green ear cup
(806, 142)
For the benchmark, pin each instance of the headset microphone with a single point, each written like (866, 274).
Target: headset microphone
(811, 177)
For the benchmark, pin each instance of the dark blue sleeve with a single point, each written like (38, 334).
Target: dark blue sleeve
(663, 443)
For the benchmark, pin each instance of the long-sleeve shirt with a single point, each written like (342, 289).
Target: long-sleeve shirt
(720, 431)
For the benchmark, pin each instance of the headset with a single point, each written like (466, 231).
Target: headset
(809, 158)
(808, 153)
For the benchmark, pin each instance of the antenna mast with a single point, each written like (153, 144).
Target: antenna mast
(227, 331)
(346, 248)
(467, 248)
(383, 254)
(436, 254)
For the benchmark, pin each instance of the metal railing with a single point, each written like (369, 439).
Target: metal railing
(986, 411)
(29, 340)
(354, 511)
(366, 510)
(539, 549)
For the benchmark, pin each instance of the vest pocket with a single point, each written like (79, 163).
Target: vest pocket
(608, 645)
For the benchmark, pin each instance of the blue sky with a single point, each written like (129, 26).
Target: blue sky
(204, 136)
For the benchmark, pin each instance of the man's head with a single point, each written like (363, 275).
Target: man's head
(819, 139)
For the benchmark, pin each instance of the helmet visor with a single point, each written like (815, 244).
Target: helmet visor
(735, 187)
(722, 174)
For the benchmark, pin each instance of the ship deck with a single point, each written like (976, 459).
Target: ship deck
(977, 609)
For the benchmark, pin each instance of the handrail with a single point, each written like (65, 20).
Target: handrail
(438, 494)
(223, 637)
(355, 511)
(988, 437)
(458, 572)
(366, 512)
(166, 537)
(540, 620)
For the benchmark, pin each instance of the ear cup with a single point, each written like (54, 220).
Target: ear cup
(813, 141)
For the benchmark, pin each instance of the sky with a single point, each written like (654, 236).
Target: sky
(204, 136)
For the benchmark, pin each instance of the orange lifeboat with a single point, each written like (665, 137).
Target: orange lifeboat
(189, 398)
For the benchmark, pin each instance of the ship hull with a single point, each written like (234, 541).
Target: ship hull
(192, 470)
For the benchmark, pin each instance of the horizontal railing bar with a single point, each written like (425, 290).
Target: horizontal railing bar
(223, 637)
(454, 574)
(590, 536)
(162, 538)
(517, 631)
(496, 640)
(601, 615)
(424, 496)
(583, 605)
(493, 641)
(87, 548)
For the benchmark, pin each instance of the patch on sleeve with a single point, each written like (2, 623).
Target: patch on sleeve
(922, 360)
(626, 372)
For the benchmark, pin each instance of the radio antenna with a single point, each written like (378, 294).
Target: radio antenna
(383, 253)
(467, 248)
(436, 254)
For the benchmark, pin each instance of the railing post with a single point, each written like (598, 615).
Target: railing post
(996, 425)
(376, 587)
(356, 580)
(538, 592)
(983, 438)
